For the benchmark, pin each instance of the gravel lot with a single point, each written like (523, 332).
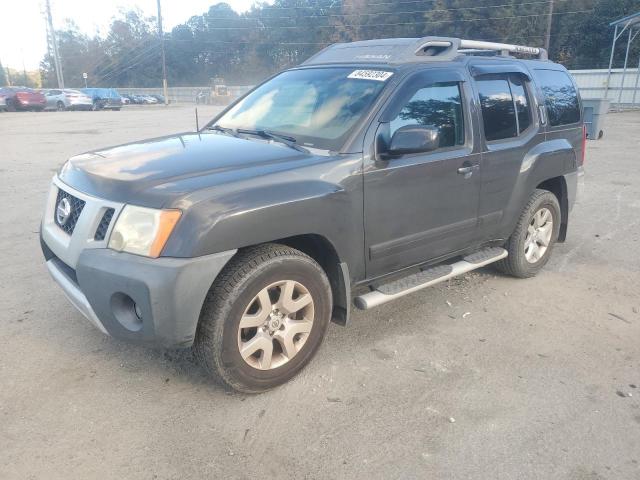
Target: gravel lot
(537, 382)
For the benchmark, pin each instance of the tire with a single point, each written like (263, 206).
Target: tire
(11, 106)
(96, 106)
(60, 107)
(234, 296)
(526, 258)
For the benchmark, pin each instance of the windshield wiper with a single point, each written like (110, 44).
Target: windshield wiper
(276, 137)
(228, 131)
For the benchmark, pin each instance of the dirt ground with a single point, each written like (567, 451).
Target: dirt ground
(540, 380)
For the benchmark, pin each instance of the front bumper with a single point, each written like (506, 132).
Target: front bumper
(144, 300)
(155, 301)
(80, 104)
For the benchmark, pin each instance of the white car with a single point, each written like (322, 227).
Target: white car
(67, 99)
(56, 100)
(149, 99)
(76, 100)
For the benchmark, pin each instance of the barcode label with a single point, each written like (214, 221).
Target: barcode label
(378, 75)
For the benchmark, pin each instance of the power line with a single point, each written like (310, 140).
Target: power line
(340, 15)
(347, 4)
(293, 44)
(426, 22)
(128, 64)
(98, 65)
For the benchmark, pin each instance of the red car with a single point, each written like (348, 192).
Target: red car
(23, 98)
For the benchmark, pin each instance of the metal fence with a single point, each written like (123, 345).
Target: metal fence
(592, 84)
(183, 94)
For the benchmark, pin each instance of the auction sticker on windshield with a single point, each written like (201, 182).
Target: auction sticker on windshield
(378, 75)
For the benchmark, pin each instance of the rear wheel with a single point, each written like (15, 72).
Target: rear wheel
(536, 233)
(60, 106)
(264, 318)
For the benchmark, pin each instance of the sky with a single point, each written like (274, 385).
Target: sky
(22, 26)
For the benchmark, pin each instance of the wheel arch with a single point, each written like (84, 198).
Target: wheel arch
(324, 252)
(558, 186)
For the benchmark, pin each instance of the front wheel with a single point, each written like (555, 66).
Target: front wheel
(536, 233)
(264, 318)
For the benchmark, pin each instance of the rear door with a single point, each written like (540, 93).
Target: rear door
(510, 129)
(418, 207)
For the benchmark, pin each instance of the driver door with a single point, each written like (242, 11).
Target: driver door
(422, 206)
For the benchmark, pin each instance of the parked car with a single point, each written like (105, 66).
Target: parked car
(77, 100)
(160, 98)
(126, 100)
(379, 167)
(66, 99)
(134, 99)
(56, 99)
(104, 98)
(148, 99)
(23, 98)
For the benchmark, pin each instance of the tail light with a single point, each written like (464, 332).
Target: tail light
(584, 144)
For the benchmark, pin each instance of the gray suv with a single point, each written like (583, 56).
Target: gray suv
(378, 167)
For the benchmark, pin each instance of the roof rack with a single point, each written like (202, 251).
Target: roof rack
(406, 50)
(436, 46)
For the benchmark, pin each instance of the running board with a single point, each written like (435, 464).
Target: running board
(428, 277)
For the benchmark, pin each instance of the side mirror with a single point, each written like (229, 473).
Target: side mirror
(414, 139)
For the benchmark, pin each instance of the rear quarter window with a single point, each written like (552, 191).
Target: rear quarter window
(560, 97)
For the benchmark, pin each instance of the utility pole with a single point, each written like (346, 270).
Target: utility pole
(165, 92)
(547, 38)
(24, 70)
(54, 44)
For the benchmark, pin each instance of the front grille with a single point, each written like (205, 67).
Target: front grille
(76, 204)
(101, 231)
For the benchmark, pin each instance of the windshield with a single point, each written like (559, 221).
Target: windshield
(317, 107)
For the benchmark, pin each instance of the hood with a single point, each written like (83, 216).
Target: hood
(154, 172)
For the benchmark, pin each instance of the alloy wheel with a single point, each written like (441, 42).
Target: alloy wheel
(538, 236)
(276, 324)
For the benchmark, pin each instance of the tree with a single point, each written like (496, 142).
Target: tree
(245, 48)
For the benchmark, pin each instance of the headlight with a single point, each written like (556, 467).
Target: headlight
(143, 231)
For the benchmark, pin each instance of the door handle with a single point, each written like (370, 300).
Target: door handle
(467, 170)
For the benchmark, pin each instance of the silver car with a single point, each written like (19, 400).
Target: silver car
(67, 99)
(56, 100)
(76, 100)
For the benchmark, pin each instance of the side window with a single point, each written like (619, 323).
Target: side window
(438, 105)
(560, 97)
(498, 111)
(506, 110)
(523, 110)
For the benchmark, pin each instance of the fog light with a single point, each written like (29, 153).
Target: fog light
(126, 311)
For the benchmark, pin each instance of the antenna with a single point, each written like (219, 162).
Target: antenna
(197, 125)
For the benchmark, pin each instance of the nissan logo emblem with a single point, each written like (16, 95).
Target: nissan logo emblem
(63, 211)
